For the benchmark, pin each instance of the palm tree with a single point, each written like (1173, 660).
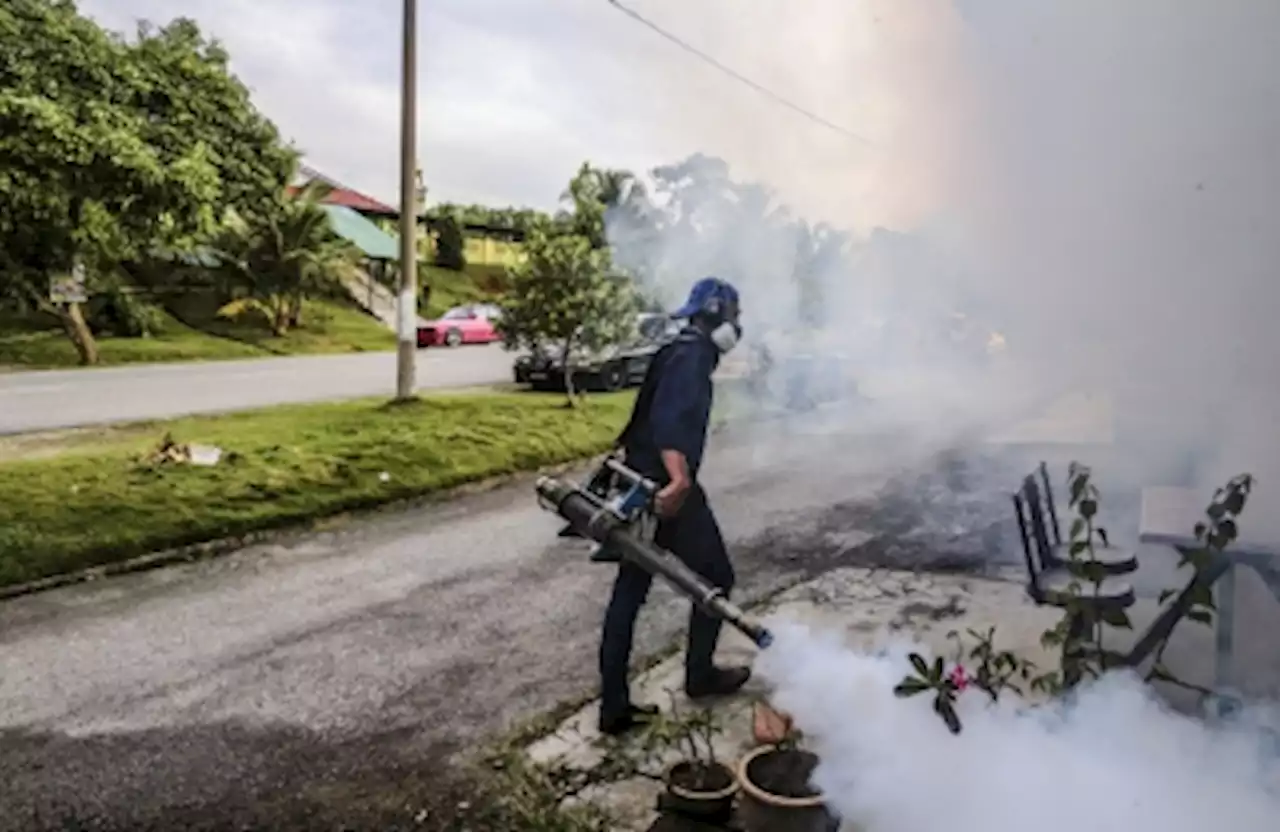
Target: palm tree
(293, 254)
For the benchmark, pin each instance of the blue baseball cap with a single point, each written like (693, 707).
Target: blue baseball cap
(705, 294)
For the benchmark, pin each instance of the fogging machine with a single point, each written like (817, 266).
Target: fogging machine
(612, 507)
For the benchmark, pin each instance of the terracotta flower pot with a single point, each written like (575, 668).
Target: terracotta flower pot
(700, 790)
(776, 796)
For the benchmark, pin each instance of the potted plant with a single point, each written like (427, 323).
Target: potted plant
(697, 785)
(774, 777)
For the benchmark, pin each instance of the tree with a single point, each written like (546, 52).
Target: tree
(564, 293)
(593, 194)
(110, 151)
(275, 262)
(451, 246)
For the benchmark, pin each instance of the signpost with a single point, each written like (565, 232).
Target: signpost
(69, 288)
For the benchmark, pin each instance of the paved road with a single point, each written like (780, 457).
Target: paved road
(72, 398)
(340, 670)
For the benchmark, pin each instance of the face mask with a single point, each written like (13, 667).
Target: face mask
(726, 336)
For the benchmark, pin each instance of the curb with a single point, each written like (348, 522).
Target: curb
(214, 548)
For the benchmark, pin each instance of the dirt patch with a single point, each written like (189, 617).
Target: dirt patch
(784, 772)
(953, 517)
(701, 777)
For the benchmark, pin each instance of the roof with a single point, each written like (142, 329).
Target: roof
(363, 233)
(341, 194)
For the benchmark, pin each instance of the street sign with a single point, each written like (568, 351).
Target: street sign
(69, 288)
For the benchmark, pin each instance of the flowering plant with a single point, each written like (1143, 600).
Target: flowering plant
(990, 671)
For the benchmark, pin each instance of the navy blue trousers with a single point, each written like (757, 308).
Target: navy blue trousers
(693, 536)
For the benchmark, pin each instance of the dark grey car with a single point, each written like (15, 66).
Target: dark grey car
(613, 369)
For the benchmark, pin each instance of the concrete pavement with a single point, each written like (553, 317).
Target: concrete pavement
(73, 398)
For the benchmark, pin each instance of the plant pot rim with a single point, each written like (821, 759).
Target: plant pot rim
(689, 794)
(770, 798)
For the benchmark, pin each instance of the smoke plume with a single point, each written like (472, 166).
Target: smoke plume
(1097, 182)
(1114, 759)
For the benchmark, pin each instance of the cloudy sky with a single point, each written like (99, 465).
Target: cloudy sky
(514, 94)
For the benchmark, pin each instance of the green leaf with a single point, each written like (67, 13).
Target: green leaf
(1228, 529)
(945, 709)
(910, 687)
(1116, 617)
(917, 662)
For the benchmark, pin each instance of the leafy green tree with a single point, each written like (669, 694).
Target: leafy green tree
(593, 194)
(451, 246)
(274, 262)
(111, 150)
(564, 293)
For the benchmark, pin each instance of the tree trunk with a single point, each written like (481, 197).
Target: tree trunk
(279, 316)
(78, 331)
(295, 312)
(568, 375)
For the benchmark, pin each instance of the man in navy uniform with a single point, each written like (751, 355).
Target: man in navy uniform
(665, 440)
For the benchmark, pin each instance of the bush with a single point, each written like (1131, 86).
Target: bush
(124, 315)
(450, 246)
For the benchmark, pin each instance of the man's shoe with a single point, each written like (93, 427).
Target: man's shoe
(633, 717)
(722, 681)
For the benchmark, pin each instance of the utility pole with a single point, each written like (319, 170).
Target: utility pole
(406, 371)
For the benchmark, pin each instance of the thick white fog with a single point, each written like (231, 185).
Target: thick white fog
(1116, 759)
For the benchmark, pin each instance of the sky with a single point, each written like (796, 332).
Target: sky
(515, 94)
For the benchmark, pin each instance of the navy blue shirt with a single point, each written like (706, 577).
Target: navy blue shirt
(679, 411)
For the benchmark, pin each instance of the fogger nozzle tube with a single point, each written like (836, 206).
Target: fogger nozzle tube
(603, 526)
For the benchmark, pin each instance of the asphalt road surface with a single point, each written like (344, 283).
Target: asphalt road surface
(74, 398)
(292, 683)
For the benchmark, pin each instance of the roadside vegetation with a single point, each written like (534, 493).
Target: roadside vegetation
(135, 490)
(331, 326)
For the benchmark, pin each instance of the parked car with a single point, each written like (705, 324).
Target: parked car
(611, 369)
(461, 325)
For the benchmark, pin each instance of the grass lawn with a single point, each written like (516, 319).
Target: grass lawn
(328, 327)
(478, 284)
(103, 501)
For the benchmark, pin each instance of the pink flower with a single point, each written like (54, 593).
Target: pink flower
(958, 678)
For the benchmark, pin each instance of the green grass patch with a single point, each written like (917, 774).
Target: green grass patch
(327, 327)
(479, 283)
(94, 504)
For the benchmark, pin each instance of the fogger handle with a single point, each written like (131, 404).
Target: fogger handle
(633, 477)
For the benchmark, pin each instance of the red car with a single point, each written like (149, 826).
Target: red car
(460, 325)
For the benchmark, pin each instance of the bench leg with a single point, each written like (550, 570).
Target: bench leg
(1167, 620)
(1225, 637)
(1269, 573)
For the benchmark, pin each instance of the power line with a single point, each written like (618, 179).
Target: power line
(733, 73)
